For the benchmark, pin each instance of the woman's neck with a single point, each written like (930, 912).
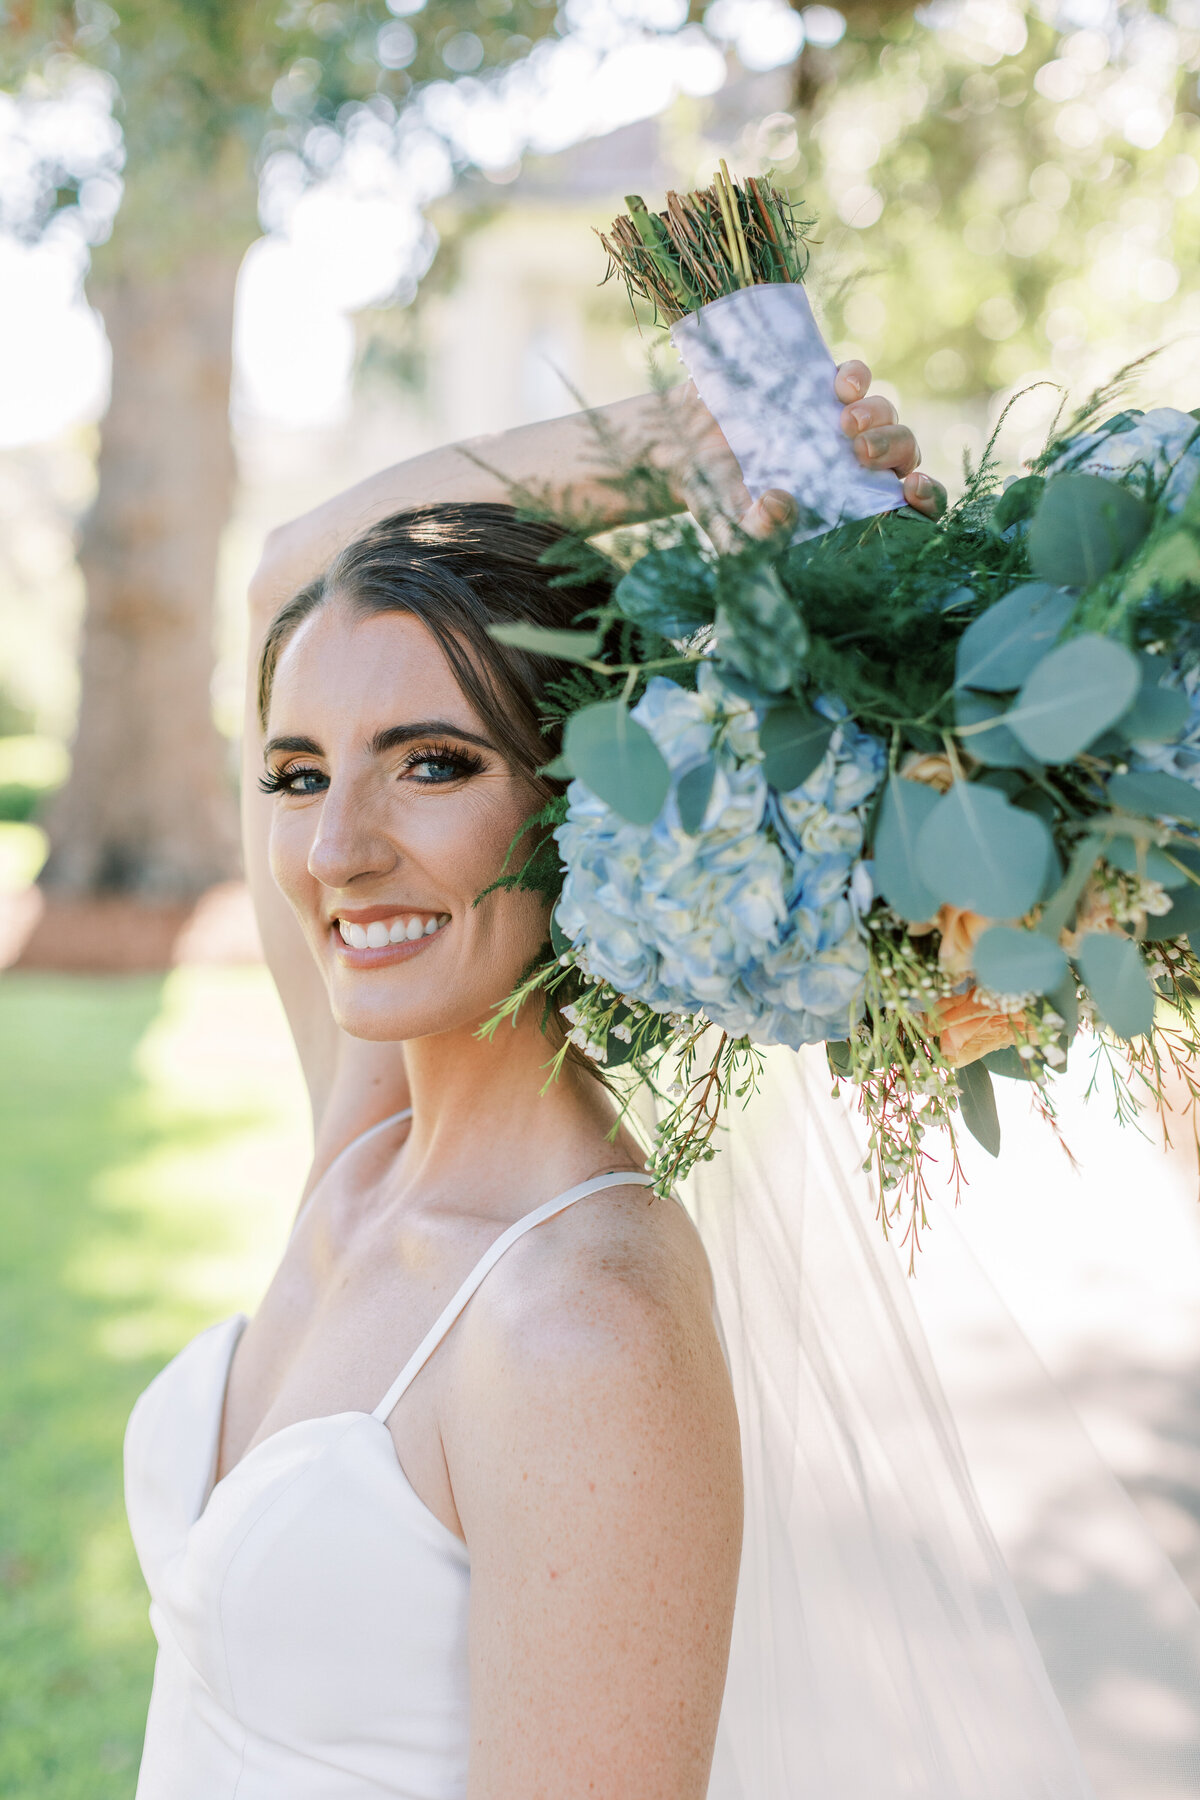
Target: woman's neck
(485, 1113)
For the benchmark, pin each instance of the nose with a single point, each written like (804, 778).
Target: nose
(351, 841)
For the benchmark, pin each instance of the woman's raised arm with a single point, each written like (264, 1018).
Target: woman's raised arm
(352, 1083)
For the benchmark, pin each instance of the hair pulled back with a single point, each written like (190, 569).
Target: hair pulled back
(458, 567)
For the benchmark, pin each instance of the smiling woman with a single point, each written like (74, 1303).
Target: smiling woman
(514, 1573)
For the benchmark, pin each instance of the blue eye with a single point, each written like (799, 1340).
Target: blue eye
(298, 782)
(436, 764)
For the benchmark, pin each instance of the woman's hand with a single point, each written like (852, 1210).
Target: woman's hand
(703, 468)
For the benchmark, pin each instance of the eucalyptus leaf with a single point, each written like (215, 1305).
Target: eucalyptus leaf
(1144, 860)
(1181, 921)
(1060, 907)
(1155, 795)
(905, 807)
(1083, 528)
(1010, 961)
(668, 591)
(543, 640)
(977, 1100)
(1001, 647)
(618, 759)
(793, 739)
(693, 791)
(1016, 503)
(1077, 691)
(1008, 1063)
(558, 770)
(837, 1054)
(1065, 1001)
(1115, 976)
(1158, 713)
(977, 850)
(985, 736)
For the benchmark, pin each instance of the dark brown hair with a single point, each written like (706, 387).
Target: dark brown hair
(458, 567)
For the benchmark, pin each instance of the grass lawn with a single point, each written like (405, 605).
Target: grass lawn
(152, 1141)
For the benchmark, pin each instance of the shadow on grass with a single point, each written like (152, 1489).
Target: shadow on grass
(76, 1652)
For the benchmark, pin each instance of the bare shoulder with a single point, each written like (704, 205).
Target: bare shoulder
(593, 1449)
(618, 1277)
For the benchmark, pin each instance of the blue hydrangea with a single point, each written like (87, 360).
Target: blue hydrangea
(756, 919)
(1145, 451)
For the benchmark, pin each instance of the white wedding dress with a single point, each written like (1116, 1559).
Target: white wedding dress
(312, 1613)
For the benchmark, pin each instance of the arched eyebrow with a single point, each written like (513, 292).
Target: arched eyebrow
(396, 736)
(392, 738)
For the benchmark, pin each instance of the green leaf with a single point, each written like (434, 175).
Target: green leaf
(794, 739)
(977, 1099)
(906, 806)
(1077, 691)
(1008, 1063)
(668, 591)
(1181, 921)
(1065, 1001)
(558, 770)
(1158, 713)
(1084, 527)
(618, 759)
(977, 850)
(693, 791)
(1134, 857)
(1155, 796)
(1017, 502)
(985, 736)
(1061, 906)
(1009, 961)
(560, 943)
(837, 1054)
(1007, 642)
(1115, 976)
(542, 640)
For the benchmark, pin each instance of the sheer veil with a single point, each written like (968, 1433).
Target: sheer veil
(880, 1649)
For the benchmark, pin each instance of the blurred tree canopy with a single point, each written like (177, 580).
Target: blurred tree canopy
(204, 91)
(1004, 187)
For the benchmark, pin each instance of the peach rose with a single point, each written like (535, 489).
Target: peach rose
(1094, 913)
(931, 770)
(968, 1030)
(961, 930)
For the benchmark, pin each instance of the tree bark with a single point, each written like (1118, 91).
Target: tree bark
(149, 808)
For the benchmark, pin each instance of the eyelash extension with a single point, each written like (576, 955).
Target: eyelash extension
(275, 781)
(467, 761)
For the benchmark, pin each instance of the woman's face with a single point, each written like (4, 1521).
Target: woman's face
(393, 810)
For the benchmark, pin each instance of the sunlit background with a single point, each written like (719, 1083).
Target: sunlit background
(388, 212)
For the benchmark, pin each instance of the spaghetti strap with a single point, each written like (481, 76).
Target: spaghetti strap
(381, 1125)
(487, 1262)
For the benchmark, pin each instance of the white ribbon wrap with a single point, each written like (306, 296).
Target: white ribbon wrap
(764, 371)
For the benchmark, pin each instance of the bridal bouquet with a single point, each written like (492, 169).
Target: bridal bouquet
(926, 793)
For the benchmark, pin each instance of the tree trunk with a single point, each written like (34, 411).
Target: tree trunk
(148, 809)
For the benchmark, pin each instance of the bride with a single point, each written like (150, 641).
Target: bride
(459, 1511)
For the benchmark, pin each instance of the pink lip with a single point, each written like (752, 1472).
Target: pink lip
(386, 953)
(366, 915)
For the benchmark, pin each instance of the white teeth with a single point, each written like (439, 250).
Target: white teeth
(381, 932)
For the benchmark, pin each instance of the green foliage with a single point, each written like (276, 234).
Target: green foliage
(899, 876)
(978, 1102)
(1000, 648)
(793, 740)
(1011, 961)
(618, 759)
(1072, 695)
(978, 851)
(541, 870)
(1117, 981)
(1083, 528)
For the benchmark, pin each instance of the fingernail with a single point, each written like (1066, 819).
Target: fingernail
(922, 486)
(779, 506)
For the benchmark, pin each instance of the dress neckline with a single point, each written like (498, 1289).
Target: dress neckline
(425, 1349)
